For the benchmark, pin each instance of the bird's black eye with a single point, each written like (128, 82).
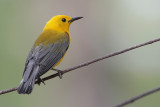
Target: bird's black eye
(63, 20)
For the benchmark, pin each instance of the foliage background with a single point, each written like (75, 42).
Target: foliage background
(108, 26)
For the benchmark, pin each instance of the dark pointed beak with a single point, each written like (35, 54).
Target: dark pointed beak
(74, 18)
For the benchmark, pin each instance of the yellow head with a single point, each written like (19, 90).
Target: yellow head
(60, 22)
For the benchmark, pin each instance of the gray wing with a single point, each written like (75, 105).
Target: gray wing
(48, 56)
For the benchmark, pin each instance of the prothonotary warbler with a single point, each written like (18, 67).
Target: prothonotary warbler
(47, 51)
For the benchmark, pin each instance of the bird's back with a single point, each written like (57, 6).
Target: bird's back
(47, 51)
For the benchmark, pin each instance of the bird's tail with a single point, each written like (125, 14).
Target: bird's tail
(28, 81)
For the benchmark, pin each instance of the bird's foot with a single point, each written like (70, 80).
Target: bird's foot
(39, 80)
(59, 72)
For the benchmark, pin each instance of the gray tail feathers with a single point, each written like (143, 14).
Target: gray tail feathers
(28, 81)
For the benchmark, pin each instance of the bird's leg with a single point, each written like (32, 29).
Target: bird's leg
(39, 80)
(59, 72)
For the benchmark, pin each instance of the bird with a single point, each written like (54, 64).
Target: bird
(47, 51)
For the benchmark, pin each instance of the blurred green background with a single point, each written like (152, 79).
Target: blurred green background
(107, 26)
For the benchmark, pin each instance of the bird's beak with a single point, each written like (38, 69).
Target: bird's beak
(74, 18)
